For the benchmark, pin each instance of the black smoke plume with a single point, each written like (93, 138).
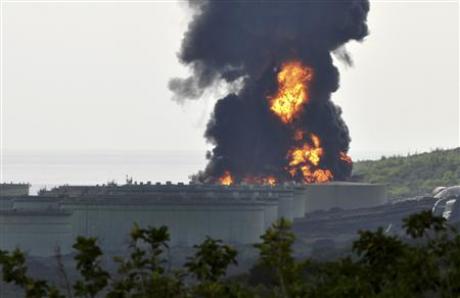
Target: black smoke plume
(247, 42)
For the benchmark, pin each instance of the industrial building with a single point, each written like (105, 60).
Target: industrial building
(235, 214)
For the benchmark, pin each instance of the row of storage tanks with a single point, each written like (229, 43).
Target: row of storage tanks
(237, 214)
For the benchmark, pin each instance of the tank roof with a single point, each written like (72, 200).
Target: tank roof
(34, 212)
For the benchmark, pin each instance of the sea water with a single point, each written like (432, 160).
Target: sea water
(46, 169)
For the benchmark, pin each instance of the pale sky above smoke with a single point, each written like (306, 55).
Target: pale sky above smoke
(86, 76)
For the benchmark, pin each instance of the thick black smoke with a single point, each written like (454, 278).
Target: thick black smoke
(249, 40)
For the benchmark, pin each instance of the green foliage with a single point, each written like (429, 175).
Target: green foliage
(421, 224)
(412, 175)
(211, 260)
(88, 264)
(209, 265)
(425, 263)
(143, 274)
(276, 254)
(14, 270)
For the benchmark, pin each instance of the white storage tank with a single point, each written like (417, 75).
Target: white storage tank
(189, 222)
(14, 189)
(270, 213)
(38, 233)
(6, 203)
(35, 203)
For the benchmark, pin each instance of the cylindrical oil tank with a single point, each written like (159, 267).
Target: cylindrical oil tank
(38, 233)
(6, 203)
(285, 207)
(344, 195)
(14, 189)
(270, 213)
(189, 222)
(298, 204)
(35, 203)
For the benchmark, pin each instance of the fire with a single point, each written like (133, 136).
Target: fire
(269, 180)
(292, 93)
(322, 176)
(306, 159)
(226, 179)
(346, 158)
(307, 153)
(316, 176)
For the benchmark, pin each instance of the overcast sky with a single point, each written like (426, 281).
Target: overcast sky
(87, 76)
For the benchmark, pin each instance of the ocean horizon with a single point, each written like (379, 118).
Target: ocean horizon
(46, 169)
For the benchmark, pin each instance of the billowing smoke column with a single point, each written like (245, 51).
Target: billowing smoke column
(281, 124)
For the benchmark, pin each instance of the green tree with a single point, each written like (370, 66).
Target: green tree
(88, 259)
(423, 263)
(209, 265)
(14, 270)
(143, 274)
(276, 254)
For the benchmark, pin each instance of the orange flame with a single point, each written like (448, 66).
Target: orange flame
(226, 179)
(346, 158)
(306, 158)
(322, 176)
(316, 176)
(307, 153)
(269, 180)
(292, 93)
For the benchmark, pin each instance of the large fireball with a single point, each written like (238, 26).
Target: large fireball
(293, 80)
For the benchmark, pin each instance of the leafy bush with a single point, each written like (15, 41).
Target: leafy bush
(426, 263)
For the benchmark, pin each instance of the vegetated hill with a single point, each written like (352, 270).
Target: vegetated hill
(411, 175)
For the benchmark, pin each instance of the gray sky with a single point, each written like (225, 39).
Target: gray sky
(87, 76)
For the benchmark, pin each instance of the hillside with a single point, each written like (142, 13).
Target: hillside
(411, 175)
